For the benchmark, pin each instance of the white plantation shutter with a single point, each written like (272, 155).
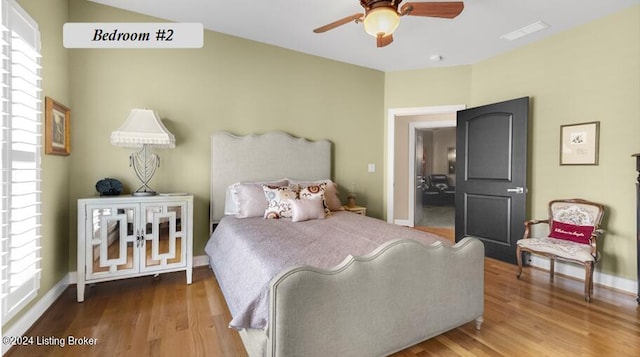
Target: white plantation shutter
(21, 148)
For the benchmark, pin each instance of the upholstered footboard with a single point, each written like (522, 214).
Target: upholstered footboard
(397, 296)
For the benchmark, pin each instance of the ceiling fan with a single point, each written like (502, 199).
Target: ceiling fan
(381, 17)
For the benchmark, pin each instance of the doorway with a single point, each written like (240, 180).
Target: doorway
(400, 182)
(475, 211)
(434, 176)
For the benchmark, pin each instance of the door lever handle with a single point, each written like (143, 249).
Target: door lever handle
(516, 190)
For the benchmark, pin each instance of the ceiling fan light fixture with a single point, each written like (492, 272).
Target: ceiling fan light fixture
(381, 20)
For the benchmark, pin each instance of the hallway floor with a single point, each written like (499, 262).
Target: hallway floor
(436, 216)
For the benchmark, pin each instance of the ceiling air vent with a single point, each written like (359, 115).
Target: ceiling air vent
(525, 31)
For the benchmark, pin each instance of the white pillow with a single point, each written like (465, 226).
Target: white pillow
(306, 209)
(246, 199)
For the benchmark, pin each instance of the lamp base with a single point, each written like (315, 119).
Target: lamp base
(144, 193)
(144, 164)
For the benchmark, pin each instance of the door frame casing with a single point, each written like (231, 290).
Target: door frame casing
(392, 113)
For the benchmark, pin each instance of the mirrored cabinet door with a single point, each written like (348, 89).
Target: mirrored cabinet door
(111, 240)
(164, 235)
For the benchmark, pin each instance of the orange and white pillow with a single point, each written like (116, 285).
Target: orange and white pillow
(278, 201)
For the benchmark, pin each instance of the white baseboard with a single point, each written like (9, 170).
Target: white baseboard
(575, 271)
(402, 222)
(24, 322)
(200, 260)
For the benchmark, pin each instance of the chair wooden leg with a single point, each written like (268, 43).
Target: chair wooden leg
(519, 258)
(588, 281)
(552, 268)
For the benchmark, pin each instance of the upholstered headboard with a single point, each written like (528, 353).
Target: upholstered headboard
(269, 156)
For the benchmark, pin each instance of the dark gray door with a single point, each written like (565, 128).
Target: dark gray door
(491, 175)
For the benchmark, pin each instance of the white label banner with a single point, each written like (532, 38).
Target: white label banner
(133, 35)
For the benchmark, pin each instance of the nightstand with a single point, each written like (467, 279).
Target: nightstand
(356, 209)
(128, 236)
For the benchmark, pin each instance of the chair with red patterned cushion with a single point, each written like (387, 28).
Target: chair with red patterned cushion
(574, 227)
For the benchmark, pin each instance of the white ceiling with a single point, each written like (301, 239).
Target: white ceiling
(471, 37)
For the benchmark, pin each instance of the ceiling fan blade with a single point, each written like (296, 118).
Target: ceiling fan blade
(327, 27)
(447, 10)
(382, 40)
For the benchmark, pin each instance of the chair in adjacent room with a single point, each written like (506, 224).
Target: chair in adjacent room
(574, 229)
(438, 192)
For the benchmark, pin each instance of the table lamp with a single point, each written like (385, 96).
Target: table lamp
(142, 129)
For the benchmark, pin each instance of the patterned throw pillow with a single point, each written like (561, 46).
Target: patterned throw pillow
(278, 201)
(572, 232)
(331, 198)
(315, 191)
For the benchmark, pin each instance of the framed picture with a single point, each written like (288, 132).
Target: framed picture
(451, 160)
(57, 126)
(579, 143)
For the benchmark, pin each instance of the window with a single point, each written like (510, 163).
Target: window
(20, 155)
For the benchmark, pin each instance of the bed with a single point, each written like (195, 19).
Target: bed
(340, 285)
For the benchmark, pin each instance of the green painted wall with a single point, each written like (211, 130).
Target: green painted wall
(231, 84)
(428, 87)
(591, 73)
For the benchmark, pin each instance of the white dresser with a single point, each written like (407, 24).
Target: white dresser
(126, 236)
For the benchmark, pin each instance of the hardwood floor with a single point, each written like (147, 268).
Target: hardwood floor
(164, 317)
(448, 233)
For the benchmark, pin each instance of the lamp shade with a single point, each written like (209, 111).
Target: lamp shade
(381, 20)
(143, 126)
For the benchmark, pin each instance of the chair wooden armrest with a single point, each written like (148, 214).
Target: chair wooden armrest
(593, 241)
(597, 233)
(528, 224)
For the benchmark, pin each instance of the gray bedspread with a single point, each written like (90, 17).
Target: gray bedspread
(246, 254)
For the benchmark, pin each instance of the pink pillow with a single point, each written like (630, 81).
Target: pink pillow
(247, 198)
(306, 209)
(566, 231)
(251, 201)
